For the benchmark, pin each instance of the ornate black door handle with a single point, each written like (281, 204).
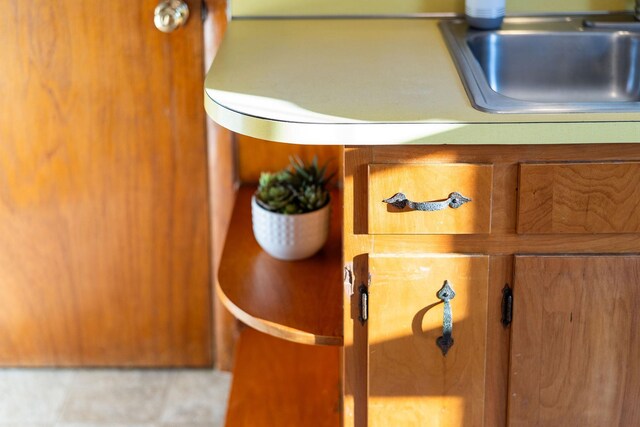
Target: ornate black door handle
(454, 201)
(446, 294)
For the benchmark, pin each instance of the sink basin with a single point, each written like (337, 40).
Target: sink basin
(544, 65)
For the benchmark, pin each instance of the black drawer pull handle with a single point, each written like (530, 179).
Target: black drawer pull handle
(446, 294)
(454, 201)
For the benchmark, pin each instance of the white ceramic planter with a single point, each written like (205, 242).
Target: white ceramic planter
(290, 237)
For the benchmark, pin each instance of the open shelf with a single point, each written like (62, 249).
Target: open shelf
(278, 383)
(298, 301)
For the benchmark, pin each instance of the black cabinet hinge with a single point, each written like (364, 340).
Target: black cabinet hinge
(507, 305)
(204, 10)
(363, 294)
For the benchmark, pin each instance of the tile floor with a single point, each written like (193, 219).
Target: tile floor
(113, 398)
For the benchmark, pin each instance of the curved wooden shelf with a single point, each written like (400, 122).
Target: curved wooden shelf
(278, 383)
(299, 301)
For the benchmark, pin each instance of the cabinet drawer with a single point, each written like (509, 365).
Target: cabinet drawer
(430, 182)
(579, 198)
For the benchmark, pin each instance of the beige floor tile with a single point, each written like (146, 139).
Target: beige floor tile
(112, 398)
(188, 425)
(196, 397)
(26, 425)
(103, 425)
(117, 378)
(29, 396)
(115, 396)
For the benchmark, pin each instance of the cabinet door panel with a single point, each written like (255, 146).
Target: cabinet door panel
(411, 383)
(104, 218)
(575, 341)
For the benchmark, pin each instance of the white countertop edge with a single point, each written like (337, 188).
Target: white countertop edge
(363, 133)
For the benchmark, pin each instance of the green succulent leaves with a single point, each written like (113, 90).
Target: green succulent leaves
(297, 189)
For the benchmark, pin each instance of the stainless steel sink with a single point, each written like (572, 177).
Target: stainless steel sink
(547, 65)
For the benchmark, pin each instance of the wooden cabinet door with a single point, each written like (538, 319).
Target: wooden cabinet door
(411, 382)
(575, 356)
(104, 257)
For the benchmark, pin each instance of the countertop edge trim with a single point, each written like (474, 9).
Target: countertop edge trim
(490, 133)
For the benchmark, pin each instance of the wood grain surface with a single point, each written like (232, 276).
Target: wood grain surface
(497, 360)
(501, 245)
(430, 182)
(509, 243)
(295, 300)
(243, 158)
(579, 198)
(222, 186)
(410, 382)
(278, 383)
(355, 354)
(103, 187)
(575, 341)
(257, 155)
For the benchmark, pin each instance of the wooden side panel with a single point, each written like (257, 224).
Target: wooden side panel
(430, 182)
(355, 252)
(277, 383)
(103, 187)
(575, 342)
(222, 186)
(579, 198)
(256, 156)
(410, 382)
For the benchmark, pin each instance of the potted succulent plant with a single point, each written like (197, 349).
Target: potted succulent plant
(290, 210)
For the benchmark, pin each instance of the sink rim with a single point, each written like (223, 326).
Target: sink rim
(482, 96)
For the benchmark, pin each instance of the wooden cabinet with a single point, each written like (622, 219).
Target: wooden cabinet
(575, 346)
(554, 226)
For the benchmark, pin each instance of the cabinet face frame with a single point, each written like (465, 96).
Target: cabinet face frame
(501, 244)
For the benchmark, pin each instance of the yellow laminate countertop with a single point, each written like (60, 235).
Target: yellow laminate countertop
(370, 82)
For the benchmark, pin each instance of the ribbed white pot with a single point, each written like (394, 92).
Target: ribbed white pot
(290, 237)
